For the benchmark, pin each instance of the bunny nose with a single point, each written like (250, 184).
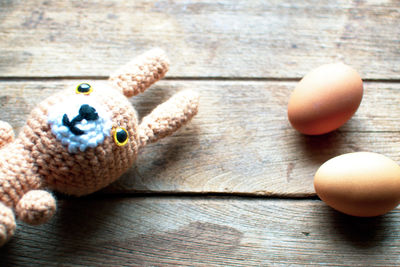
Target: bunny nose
(86, 112)
(80, 122)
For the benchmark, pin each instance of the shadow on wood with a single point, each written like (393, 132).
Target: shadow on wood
(320, 148)
(76, 230)
(204, 231)
(358, 232)
(90, 230)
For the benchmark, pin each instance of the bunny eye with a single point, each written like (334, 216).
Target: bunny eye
(121, 136)
(84, 88)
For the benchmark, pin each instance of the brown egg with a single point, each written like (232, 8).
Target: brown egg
(325, 99)
(360, 184)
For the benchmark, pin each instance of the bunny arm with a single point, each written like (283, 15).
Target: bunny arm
(168, 117)
(6, 134)
(7, 224)
(36, 207)
(21, 190)
(139, 74)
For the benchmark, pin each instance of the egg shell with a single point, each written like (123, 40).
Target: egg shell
(361, 184)
(325, 99)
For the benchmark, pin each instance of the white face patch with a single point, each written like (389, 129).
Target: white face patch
(79, 122)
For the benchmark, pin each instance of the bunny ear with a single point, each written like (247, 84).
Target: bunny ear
(136, 76)
(168, 117)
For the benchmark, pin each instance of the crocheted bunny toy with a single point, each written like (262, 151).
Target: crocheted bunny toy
(82, 139)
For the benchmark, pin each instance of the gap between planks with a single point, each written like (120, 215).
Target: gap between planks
(179, 78)
(107, 193)
(203, 232)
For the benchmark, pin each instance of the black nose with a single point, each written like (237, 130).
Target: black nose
(85, 112)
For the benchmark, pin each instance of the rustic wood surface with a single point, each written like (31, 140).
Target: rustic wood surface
(204, 231)
(277, 39)
(241, 140)
(234, 187)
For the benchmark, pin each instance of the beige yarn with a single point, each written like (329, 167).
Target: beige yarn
(6, 133)
(36, 161)
(136, 76)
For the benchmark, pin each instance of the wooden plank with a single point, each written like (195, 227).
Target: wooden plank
(206, 232)
(240, 142)
(280, 39)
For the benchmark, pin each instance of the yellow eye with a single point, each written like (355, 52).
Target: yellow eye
(121, 136)
(84, 88)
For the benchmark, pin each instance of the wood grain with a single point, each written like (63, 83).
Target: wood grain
(240, 142)
(244, 58)
(259, 39)
(204, 232)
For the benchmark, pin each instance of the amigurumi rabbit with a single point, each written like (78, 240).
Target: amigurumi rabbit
(82, 139)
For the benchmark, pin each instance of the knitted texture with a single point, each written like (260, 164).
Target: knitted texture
(18, 173)
(6, 133)
(7, 225)
(136, 76)
(81, 173)
(36, 207)
(82, 139)
(168, 117)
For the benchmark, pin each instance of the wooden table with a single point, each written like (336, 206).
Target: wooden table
(234, 187)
